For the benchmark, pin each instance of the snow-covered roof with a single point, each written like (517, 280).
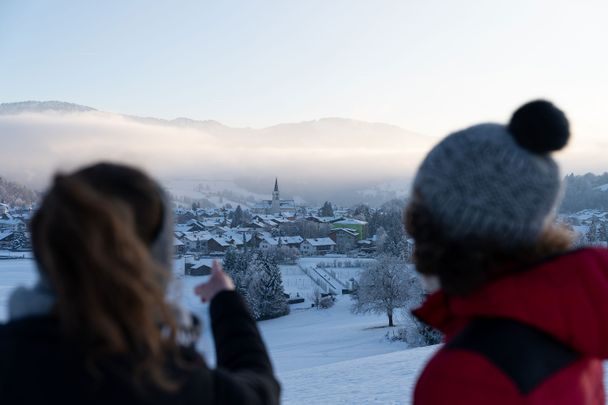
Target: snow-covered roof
(196, 264)
(291, 240)
(181, 228)
(325, 220)
(270, 240)
(221, 241)
(197, 236)
(5, 234)
(350, 221)
(320, 242)
(236, 237)
(285, 240)
(349, 231)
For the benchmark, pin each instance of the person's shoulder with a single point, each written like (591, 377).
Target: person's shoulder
(29, 328)
(455, 376)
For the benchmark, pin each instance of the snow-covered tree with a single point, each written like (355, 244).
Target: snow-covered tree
(266, 295)
(237, 217)
(19, 241)
(592, 233)
(602, 232)
(384, 286)
(236, 266)
(326, 210)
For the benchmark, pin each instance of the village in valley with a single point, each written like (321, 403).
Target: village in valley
(320, 251)
(274, 224)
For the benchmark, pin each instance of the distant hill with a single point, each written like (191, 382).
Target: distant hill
(589, 191)
(41, 106)
(342, 160)
(16, 195)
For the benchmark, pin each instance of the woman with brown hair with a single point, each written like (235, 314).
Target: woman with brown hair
(97, 327)
(525, 317)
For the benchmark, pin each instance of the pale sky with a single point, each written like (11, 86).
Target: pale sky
(427, 66)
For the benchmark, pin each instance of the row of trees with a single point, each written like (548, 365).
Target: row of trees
(588, 191)
(597, 232)
(257, 278)
(15, 194)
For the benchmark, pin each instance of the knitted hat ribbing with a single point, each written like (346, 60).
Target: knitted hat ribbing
(496, 182)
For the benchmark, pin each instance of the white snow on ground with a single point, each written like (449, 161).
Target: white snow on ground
(4, 254)
(382, 379)
(295, 282)
(309, 338)
(12, 274)
(321, 356)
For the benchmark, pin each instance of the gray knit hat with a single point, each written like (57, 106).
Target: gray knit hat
(495, 182)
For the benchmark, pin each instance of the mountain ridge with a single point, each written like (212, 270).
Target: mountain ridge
(37, 106)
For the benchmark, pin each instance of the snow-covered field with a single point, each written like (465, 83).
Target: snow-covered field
(321, 356)
(12, 274)
(296, 282)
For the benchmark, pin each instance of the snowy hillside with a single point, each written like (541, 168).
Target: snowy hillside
(382, 379)
(321, 356)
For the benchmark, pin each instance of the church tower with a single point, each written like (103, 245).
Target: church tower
(275, 207)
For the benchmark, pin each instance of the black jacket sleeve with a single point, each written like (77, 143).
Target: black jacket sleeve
(244, 373)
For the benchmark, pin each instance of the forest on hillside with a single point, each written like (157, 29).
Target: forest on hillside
(588, 191)
(15, 194)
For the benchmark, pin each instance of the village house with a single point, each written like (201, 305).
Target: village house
(196, 241)
(316, 226)
(179, 248)
(345, 238)
(317, 246)
(200, 267)
(218, 245)
(359, 226)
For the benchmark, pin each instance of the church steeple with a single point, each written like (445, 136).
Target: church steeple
(276, 199)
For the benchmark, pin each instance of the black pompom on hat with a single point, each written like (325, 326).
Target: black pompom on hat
(540, 127)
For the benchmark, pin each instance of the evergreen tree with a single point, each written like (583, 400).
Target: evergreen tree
(266, 295)
(602, 232)
(326, 210)
(361, 212)
(237, 217)
(235, 265)
(592, 233)
(19, 241)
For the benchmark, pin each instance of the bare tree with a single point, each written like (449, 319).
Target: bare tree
(384, 286)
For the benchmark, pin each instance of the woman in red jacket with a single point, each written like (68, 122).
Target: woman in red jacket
(525, 317)
(97, 328)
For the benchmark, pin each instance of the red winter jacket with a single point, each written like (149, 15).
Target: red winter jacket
(535, 337)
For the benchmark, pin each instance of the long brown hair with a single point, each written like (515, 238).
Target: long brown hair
(463, 266)
(91, 239)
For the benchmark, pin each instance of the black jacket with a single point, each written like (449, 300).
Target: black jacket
(38, 366)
